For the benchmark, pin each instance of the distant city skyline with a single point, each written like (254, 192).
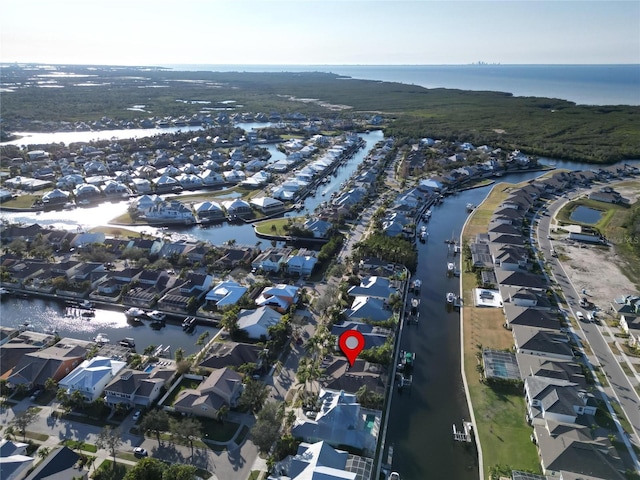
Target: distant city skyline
(314, 32)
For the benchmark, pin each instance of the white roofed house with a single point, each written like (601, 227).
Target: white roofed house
(316, 461)
(190, 181)
(374, 287)
(341, 422)
(166, 184)
(225, 293)
(111, 188)
(268, 205)
(280, 297)
(237, 208)
(86, 191)
(302, 263)
(209, 211)
(234, 176)
(91, 376)
(257, 322)
(210, 178)
(55, 197)
(272, 259)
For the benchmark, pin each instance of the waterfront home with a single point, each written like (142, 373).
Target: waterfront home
(114, 188)
(86, 192)
(341, 421)
(368, 309)
(374, 287)
(237, 208)
(268, 205)
(320, 460)
(13, 232)
(18, 343)
(166, 184)
(232, 354)
(91, 376)
(302, 263)
(222, 387)
(138, 388)
(509, 257)
(55, 197)
(530, 317)
(319, 228)
(272, 259)
(209, 211)
(521, 279)
(190, 181)
(374, 336)
(339, 375)
(211, 178)
(256, 322)
(547, 343)
(224, 294)
(170, 213)
(525, 297)
(54, 362)
(568, 371)
(257, 180)
(280, 296)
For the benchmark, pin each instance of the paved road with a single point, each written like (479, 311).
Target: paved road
(235, 462)
(620, 386)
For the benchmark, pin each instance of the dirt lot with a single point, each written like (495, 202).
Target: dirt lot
(596, 270)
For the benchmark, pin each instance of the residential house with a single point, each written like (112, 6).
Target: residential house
(55, 362)
(340, 421)
(536, 341)
(224, 294)
(137, 388)
(232, 354)
(374, 287)
(14, 461)
(272, 259)
(256, 322)
(341, 376)
(281, 297)
(320, 228)
(61, 463)
(302, 263)
(368, 309)
(91, 376)
(315, 461)
(530, 317)
(268, 205)
(234, 256)
(222, 387)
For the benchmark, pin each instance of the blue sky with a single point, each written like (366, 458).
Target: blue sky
(313, 32)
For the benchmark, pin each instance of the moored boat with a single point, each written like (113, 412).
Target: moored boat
(101, 339)
(451, 297)
(135, 313)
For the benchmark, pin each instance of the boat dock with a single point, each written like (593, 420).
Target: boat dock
(463, 435)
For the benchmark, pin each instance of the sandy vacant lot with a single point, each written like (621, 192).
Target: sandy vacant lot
(596, 270)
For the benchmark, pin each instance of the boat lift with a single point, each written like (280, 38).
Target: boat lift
(465, 434)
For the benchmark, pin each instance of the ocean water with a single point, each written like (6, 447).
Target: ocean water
(582, 84)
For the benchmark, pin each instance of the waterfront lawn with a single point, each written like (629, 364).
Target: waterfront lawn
(499, 414)
(266, 227)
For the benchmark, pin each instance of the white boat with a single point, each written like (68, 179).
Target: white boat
(86, 304)
(4, 291)
(423, 229)
(416, 285)
(423, 236)
(394, 476)
(157, 316)
(470, 207)
(134, 312)
(101, 339)
(451, 297)
(450, 267)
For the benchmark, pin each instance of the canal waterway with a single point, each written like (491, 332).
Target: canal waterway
(420, 426)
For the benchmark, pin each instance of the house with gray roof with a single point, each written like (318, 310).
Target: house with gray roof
(221, 387)
(137, 388)
(60, 464)
(14, 461)
(374, 287)
(341, 421)
(530, 317)
(368, 309)
(551, 344)
(256, 322)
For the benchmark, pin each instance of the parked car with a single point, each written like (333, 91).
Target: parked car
(580, 316)
(136, 415)
(140, 452)
(35, 395)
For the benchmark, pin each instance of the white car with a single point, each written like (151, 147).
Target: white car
(580, 316)
(136, 415)
(140, 452)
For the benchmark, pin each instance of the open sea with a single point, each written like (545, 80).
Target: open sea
(582, 84)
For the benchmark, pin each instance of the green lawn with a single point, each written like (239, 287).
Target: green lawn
(266, 227)
(87, 447)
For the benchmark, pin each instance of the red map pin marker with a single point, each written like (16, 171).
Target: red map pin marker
(351, 343)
